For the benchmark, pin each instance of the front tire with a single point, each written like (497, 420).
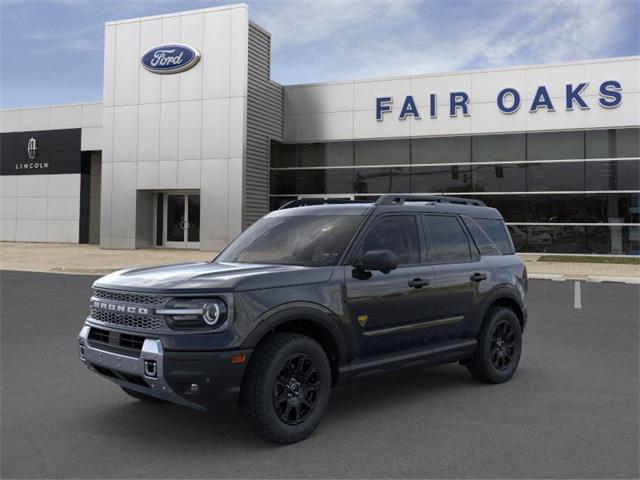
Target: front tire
(286, 388)
(499, 347)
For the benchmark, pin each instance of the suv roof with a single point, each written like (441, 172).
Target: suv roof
(391, 203)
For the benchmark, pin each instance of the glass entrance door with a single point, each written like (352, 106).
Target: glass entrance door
(182, 220)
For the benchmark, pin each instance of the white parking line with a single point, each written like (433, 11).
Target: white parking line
(577, 297)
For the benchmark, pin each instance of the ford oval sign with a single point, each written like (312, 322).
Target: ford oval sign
(172, 58)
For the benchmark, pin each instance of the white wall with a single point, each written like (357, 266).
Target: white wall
(40, 208)
(178, 131)
(346, 110)
(87, 116)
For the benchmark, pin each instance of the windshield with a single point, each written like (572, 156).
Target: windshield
(313, 240)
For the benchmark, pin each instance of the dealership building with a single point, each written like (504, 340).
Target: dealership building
(193, 142)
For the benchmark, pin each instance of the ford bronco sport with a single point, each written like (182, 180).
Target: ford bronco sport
(309, 297)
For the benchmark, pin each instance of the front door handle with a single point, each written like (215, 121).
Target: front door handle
(478, 277)
(418, 283)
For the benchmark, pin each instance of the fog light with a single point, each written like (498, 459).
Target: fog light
(150, 368)
(82, 352)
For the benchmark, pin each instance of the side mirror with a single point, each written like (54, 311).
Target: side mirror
(382, 260)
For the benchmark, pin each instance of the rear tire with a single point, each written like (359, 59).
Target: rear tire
(499, 347)
(286, 388)
(141, 396)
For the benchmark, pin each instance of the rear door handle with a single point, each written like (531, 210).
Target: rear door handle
(418, 283)
(478, 277)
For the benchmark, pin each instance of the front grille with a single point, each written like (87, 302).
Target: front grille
(131, 341)
(129, 298)
(99, 335)
(141, 322)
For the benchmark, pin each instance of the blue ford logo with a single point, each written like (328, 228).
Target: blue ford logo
(172, 58)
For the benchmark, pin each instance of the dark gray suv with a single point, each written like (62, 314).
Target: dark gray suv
(312, 296)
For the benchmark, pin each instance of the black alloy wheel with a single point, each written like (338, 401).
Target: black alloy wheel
(502, 345)
(295, 392)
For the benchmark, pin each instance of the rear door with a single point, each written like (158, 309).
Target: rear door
(388, 311)
(460, 275)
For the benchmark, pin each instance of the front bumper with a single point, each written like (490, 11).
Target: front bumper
(199, 380)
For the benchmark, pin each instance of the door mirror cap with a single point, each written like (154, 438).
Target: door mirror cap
(382, 260)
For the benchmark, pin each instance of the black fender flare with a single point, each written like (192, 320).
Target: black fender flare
(498, 293)
(306, 311)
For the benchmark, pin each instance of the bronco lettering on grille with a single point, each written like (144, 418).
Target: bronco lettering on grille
(114, 307)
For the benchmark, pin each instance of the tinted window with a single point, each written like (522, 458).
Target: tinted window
(613, 143)
(484, 243)
(382, 152)
(447, 240)
(555, 145)
(543, 177)
(499, 178)
(314, 240)
(397, 233)
(381, 180)
(445, 178)
(613, 175)
(497, 232)
(441, 150)
(499, 148)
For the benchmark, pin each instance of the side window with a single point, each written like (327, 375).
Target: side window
(497, 232)
(398, 233)
(447, 240)
(484, 243)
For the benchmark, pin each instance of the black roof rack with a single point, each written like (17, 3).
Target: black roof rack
(400, 199)
(305, 202)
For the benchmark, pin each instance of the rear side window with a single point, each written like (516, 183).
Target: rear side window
(497, 232)
(398, 233)
(447, 241)
(484, 243)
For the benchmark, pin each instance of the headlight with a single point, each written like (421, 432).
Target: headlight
(189, 313)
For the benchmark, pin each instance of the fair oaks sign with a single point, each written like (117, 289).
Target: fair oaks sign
(508, 101)
(173, 58)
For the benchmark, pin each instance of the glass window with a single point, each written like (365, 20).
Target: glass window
(447, 240)
(382, 152)
(382, 180)
(613, 175)
(499, 178)
(439, 179)
(482, 240)
(519, 236)
(547, 177)
(556, 208)
(313, 240)
(512, 207)
(612, 143)
(499, 148)
(339, 154)
(283, 155)
(397, 233)
(554, 239)
(555, 145)
(441, 150)
(497, 232)
(612, 208)
(613, 240)
(310, 155)
(276, 202)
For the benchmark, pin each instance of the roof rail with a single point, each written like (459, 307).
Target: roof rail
(305, 202)
(400, 199)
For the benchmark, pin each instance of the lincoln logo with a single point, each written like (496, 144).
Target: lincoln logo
(32, 149)
(170, 58)
(120, 308)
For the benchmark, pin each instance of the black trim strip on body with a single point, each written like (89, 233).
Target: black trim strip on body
(413, 326)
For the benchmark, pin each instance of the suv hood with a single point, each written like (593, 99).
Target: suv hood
(207, 276)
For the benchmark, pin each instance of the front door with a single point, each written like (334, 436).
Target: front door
(182, 220)
(392, 311)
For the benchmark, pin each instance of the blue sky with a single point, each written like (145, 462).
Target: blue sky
(51, 50)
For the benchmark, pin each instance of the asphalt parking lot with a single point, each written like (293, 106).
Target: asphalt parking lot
(570, 411)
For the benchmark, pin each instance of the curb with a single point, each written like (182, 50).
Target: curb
(588, 278)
